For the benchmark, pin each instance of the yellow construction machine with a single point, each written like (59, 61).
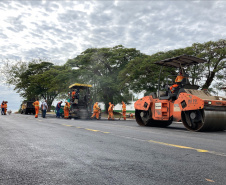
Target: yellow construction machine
(80, 101)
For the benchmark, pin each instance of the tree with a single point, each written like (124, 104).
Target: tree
(38, 79)
(215, 54)
(54, 83)
(100, 67)
(142, 74)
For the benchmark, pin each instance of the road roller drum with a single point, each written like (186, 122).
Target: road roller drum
(204, 120)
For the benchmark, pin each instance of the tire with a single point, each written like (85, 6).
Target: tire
(144, 118)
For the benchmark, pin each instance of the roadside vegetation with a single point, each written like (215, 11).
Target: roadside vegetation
(115, 72)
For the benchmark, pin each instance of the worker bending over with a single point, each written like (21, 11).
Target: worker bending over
(96, 111)
(110, 111)
(123, 110)
(36, 105)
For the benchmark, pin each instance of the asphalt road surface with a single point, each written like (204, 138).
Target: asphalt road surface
(58, 151)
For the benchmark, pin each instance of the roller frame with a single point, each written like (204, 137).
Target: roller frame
(209, 117)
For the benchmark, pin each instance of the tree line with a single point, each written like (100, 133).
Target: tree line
(115, 72)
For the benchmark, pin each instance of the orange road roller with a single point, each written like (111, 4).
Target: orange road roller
(197, 109)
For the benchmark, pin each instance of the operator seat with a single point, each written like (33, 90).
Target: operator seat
(164, 95)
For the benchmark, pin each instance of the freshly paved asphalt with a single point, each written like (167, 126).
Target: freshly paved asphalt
(59, 151)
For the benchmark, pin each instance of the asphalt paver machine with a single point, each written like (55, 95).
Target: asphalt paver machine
(197, 109)
(80, 101)
(27, 107)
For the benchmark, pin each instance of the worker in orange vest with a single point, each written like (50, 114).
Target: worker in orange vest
(73, 94)
(66, 110)
(123, 110)
(177, 80)
(5, 107)
(2, 107)
(36, 105)
(96, 110)
(110, 111)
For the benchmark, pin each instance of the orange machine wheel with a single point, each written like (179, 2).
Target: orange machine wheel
(144, 118)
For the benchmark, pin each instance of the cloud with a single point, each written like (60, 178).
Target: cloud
(59, 30)
(40, 27)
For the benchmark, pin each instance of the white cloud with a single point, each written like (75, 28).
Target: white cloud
(38, 28)
(59, 30)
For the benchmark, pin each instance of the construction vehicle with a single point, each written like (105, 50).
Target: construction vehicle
(27, 107)
(80, 101)
(197, 109)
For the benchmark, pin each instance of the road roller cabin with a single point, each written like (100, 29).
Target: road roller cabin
(196, 109)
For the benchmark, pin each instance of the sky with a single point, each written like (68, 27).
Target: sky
(56, 30)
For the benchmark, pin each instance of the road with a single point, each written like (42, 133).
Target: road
(59, 151)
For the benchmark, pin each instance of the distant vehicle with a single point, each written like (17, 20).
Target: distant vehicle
(27, 108)
(80, 101)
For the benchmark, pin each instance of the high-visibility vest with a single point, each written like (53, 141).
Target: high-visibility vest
(95, 108)
(4, 106)
(123, 107)
(110, 108)
(36, 104)
(173, 86)
(67, 106)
